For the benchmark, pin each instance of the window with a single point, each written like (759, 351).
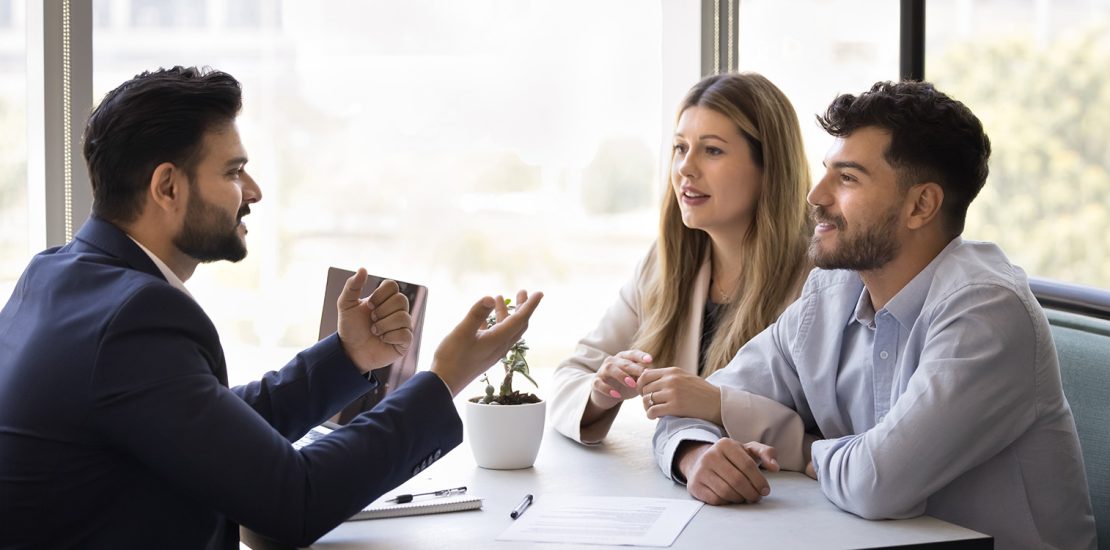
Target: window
(836, 48)
(1035, 73)
(14, 238)
(475, 147)
(167, 13)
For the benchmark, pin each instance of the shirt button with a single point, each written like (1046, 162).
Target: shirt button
(883, 355)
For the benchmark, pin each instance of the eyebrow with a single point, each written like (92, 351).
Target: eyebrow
(703, 138)
(851, 165)
(235, 162)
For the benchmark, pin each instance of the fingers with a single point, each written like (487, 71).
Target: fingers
(810, 470)
(764, 455)
(636, 355)
(513, 325)
(723, 474)
(387, 290)
(753, 485)
(352, 289)
(395, 329)
(387, 305)
(500, 309)
(476, 318)
(655, 375)
(618, 375)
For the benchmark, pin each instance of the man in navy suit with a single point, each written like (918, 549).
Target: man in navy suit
(117, 428)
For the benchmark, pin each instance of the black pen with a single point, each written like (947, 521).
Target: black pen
(401, 499)
(524, 504)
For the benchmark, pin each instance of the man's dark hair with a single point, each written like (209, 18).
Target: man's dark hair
(156, 117)
(932, 138)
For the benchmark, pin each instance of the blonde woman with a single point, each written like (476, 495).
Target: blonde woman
(730, 256)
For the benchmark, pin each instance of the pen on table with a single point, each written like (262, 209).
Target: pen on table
(401, 499)
(519, 510)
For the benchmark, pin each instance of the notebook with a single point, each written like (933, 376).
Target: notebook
(435, 505)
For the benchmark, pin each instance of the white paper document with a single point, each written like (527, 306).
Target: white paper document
(623, 521)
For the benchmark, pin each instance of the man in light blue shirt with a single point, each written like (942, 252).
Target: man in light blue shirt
(916, 374)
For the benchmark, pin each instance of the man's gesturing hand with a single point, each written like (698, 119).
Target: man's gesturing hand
(471, 348)
(377, 330)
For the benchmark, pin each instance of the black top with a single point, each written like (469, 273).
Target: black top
(710, 317)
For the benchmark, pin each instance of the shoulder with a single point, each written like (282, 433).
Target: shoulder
(978, 275)
(981, 267)
(647, 268)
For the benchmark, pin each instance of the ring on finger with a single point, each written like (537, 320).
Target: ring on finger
(651, 402)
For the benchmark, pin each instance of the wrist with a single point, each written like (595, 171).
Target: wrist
(686, 456)
(453, 385)
(718, 414)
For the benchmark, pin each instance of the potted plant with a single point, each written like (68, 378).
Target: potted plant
(505, 426)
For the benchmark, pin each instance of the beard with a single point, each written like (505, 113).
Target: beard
(210, 234)
(868, 249)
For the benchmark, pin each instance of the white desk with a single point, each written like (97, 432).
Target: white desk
(795, 515)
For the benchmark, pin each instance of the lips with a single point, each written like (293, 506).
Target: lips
(690, 195)
(824, 222)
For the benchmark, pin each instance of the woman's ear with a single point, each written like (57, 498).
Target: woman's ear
(924, 201)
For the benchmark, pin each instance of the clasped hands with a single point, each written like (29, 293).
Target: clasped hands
(724, 472)
(668, 391)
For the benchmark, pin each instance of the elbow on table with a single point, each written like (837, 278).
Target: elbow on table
(874, 503)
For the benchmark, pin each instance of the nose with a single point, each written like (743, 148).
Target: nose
(252, 193)
(820, 195)
(685, 165)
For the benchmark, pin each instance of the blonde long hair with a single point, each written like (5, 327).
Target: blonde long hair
(773, 253)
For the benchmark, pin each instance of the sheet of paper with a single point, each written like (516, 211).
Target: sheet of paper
(623, 521)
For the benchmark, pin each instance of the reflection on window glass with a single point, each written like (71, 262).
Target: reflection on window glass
(14, 252)
(837, 47)
(6, 16)
(252, 13)
(1036, 74)
(167, 13)
(475, 147)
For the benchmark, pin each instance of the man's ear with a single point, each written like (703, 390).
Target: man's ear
(165, 191)
(923, 204)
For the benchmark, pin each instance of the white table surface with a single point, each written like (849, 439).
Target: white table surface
(795, 515)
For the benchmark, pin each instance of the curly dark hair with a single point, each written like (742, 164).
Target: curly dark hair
(933, 138)
(155, 117)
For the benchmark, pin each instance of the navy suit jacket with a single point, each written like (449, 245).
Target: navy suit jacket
(117, 428)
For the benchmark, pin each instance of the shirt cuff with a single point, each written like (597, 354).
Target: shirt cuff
(669, 450)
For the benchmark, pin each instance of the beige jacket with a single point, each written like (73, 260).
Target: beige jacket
(616, 332)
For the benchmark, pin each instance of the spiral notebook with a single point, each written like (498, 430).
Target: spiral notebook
(455, 503)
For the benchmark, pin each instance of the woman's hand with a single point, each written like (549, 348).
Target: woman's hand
(675, 392)
(617, 378)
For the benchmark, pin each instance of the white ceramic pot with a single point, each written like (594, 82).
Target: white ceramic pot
(505, 437)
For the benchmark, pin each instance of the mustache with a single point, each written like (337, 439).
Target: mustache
(245, 210)
(819, 215)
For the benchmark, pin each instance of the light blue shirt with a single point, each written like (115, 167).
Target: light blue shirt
(946, 402)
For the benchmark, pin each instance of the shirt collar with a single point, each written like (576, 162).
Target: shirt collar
(168, 273)
(864, 313)
(905, 306)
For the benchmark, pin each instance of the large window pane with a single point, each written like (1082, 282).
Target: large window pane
(834, 48)
(476, 147)
(14, 246)
(1036, 74)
